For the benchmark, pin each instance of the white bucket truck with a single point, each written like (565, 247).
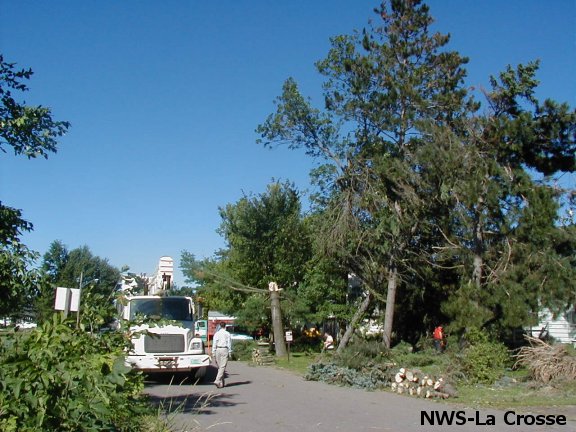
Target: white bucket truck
(163, 338)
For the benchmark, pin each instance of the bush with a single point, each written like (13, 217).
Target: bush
(242, 350)
(414, 359)
(361, 353)
(363, 364)
(483, 361)
(57, 378)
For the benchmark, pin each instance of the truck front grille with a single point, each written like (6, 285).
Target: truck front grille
(164, 343)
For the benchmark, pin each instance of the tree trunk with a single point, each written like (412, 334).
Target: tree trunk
(390, 303)
(357, 316)
(478, 262)
(277, 326)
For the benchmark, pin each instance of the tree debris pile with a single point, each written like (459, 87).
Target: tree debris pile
(371, 377)
(415, 383)
(547, 362)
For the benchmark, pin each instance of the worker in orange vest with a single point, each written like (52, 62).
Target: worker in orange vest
(438, 336)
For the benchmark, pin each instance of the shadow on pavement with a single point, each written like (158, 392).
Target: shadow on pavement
(189, 397)
(237, 383)
(181, 378)
(192, 403)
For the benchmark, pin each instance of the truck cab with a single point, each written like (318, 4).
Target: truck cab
(163, 335)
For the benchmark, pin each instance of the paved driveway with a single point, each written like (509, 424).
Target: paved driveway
(266, 399)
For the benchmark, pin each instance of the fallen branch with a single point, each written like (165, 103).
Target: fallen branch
(546, 362)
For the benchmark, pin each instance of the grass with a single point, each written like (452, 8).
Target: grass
(518, 395)
(513, 391)
(297, 362)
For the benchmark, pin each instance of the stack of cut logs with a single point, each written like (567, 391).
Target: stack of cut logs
(415, 383)
(262, 356)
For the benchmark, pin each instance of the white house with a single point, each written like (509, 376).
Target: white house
(562, 328)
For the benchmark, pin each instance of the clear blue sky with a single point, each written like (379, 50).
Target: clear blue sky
(164, 97)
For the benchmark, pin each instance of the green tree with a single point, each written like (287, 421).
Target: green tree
(212, 278)
(267, 241)
(29, 130)
(54, 260)
(65, 268)
(18, 283)
(32, 132)
(322, 293)
(503, 228)
(266, 237)
(380, 85)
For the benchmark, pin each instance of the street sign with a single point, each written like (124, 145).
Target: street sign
(289, 336)
(67, 299)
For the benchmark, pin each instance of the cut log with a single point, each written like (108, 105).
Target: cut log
(415, 383)
(438, 383)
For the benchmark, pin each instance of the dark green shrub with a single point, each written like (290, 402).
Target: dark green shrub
(363, 364)
(482, 360)
(370, 378)
(242, 350)
(58, 378)
(412, 360)
(361, 353)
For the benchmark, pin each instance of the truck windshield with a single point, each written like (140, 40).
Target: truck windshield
(161, 308)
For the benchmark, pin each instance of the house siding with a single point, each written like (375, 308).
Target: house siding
(562, 328)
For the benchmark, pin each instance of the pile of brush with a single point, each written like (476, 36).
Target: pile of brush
(547, 362)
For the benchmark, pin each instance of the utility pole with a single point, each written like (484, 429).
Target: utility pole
(79, 299)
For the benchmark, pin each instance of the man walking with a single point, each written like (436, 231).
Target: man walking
(221, 350)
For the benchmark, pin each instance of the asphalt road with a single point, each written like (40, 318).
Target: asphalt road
(266, 399)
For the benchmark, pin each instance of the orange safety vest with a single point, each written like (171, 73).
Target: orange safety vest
(438, 334)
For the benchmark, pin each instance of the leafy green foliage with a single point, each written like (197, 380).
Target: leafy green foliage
(267, 239)
(437, 207)
(63, 268)
(18, 282)
(56, 378)
(498, 231)
(482, 360)
(375, 378)
(361, 364)
(380, 86)
(361, 354)
(242, 350)
(322, 293)
(30, 131)
(212, 277)
(71, 264)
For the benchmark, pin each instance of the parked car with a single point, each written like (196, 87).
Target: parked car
(26, 325)
(240, 337)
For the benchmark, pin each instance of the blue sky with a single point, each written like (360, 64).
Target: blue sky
(164, 98)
